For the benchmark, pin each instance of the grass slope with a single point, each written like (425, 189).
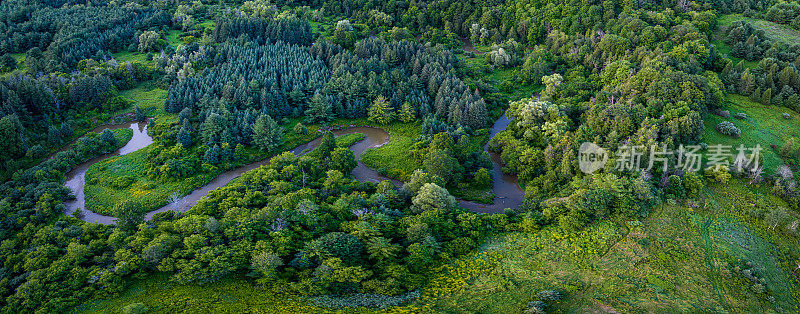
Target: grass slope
(765, 125)
(678, 259)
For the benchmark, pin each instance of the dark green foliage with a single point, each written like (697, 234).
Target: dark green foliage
(363, 300)
(402, 72)
(212, 155)
(288, 30)
(319, 109)
(10, 130)
(73, 33)
(326, 145)
(7, 63)
(108, 138)
(139, 114)
(129, 214)
(249, 82)
(185, 136)
(441, 164)
(342, 159)
(340, 245)
(267, 135)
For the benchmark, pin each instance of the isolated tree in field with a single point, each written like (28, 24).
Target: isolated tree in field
(381, 111)
(319, 110)
(299, 128)
(129, 214)
(431, 197)
(267, 134)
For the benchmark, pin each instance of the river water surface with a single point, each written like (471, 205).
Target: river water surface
(507, 192)
(76, 178)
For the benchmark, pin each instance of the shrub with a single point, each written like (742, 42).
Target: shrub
(723, 113)
(740, 115)
(357, 300)
(720, 174)
(121, 182)
(483, 178)
(549, 295)
(729, 129)
(341, 245)
(536, 307)
(786, 116)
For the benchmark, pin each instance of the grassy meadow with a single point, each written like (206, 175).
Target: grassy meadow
(764, 125)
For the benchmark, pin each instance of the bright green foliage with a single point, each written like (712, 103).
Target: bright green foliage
(483, 178)
(129, 214)
(381, 112)
(433, 197)
(342, 159)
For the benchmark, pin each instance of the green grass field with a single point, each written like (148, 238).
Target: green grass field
(678, 259)
(764, 126)
(502, 78)
(393, 157)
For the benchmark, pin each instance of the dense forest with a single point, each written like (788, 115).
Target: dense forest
(224, 84)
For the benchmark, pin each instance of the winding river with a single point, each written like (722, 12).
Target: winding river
(507, 192)
(76, 178)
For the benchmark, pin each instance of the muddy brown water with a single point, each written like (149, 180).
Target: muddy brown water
(373, 137)
(76, 178)
(507, 192)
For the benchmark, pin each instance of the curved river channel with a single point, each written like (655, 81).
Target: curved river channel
(506, 190)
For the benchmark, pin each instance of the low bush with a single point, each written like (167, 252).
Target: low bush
(729, 129)
(357, 300)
